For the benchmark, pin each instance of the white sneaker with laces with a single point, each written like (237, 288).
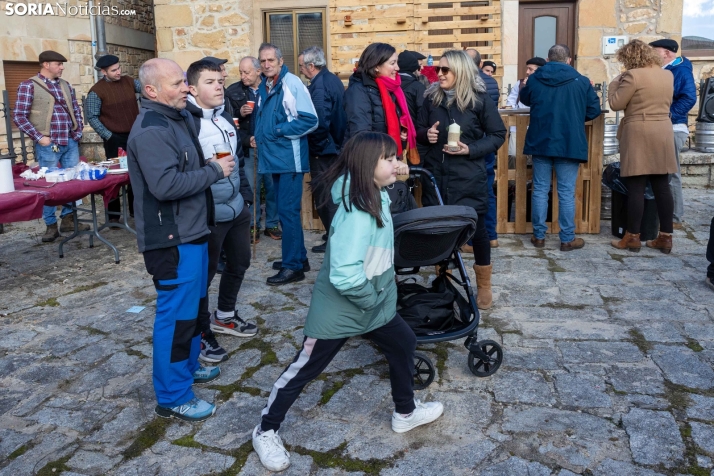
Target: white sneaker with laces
(270, 450)
(423, 413)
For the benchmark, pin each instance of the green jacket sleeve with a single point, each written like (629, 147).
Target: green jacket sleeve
(348, 249)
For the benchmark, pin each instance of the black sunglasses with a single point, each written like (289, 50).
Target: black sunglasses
(444, 69)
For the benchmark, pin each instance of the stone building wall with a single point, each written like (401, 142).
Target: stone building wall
(187, 31)
(647, 20)
(142, 21)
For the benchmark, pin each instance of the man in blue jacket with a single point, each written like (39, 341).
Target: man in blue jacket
(561, 101)
(326, 91)
(685, 97)
(284, 119)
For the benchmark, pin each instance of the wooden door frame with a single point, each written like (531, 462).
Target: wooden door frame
(573, 22)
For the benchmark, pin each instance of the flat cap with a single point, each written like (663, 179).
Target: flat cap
(416, 54)
(538, 61)
(50, 55)
(407, 62)
(214, 60)
(667, 44)
(107, 61)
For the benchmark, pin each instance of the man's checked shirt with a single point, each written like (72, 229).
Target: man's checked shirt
(93, 108)
(61, 124)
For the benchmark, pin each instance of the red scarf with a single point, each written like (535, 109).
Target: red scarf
(394, 122)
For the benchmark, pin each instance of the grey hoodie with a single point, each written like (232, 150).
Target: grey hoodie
(168, 178)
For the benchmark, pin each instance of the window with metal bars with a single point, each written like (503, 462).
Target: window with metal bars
(294, 30)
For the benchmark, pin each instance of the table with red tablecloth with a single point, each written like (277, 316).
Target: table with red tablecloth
(21, 206)
(26, 202)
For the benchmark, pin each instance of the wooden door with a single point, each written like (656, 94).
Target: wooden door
(542, 25)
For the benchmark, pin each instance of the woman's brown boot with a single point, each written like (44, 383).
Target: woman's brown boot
(484, 298)
(663, 242)
(630, 242)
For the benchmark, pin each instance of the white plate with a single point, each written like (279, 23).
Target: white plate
(117, 171)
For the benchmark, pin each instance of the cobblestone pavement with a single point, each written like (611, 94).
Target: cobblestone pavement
(607, 370)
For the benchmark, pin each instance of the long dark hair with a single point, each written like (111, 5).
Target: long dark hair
(358, 159)
(372, 56)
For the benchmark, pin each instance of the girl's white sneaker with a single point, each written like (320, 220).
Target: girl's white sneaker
(423, 413)
(270, 450)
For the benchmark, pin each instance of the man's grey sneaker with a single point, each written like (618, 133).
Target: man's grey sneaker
(211, 351)
(193, 410)
(234, 326)
(423, 413)
(206, 374)
(270, 450)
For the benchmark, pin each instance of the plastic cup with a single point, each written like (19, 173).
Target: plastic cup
(223, 149)
(251, 104)
(123, 164)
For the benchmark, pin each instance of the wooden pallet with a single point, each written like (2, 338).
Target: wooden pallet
(420, 25)
(587, 189)
(308, 212)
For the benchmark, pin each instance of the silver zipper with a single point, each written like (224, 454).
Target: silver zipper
(160, 222)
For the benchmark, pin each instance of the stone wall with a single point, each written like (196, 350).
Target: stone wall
(187, 31)
(143, 20)
(646, 20)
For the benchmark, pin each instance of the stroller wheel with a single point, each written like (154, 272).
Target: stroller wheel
(488, 363)
(424, 371)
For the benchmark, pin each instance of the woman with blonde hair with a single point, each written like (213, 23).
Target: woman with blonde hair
(460, 97)
(644, 91)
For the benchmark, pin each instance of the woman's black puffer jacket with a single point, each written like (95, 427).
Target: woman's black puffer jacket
(363, 106)
(461, 178)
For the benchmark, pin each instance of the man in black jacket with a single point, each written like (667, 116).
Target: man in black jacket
(172, 204)
(239, 94)
(326, 91)
(413, 89)
(495, 93)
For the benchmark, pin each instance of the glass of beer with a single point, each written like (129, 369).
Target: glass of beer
(222, 150)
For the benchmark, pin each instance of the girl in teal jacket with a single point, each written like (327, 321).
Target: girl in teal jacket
(355, 294)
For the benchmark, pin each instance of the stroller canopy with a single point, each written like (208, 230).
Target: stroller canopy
(427, 236)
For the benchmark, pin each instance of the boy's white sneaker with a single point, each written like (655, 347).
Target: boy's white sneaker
(270, 450)
(423, 413)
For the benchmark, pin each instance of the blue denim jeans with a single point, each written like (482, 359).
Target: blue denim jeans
(566, 174)
(67, 157)
(490, 218)
(271, 206)
(288, 191)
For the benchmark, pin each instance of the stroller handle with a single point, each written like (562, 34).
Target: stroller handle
(423, 171)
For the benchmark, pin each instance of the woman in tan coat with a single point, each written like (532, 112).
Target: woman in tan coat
(644, 91)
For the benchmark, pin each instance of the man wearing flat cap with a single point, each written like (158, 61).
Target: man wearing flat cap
(221, 63)
(685, 97)
(47, 111)
(111, 108)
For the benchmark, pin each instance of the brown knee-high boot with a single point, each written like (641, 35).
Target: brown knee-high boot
(484, 299)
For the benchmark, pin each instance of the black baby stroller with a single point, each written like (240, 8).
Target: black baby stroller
(432, 236)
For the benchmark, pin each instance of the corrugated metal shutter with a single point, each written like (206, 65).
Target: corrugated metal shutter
(15, 73)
